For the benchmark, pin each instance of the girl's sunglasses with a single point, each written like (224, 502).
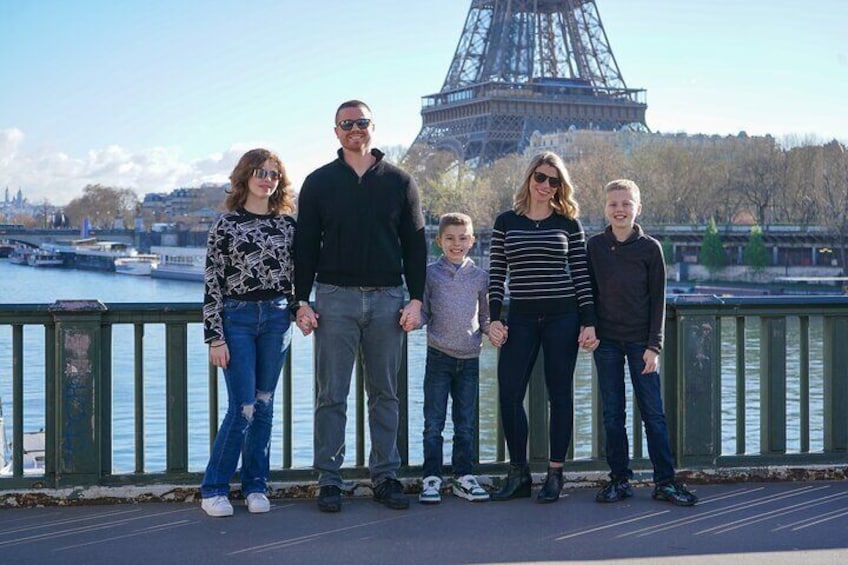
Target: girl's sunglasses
(262, 173)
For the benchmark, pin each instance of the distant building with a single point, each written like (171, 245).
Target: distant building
(571, 143)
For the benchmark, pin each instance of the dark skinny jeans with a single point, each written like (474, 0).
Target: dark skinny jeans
(556, 334)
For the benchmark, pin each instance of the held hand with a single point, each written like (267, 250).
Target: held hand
(219, 355)
(306, 319)
(587, 339)
(652, 361)
(410, 315)
(498, 333)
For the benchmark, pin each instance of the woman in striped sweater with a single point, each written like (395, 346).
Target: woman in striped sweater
(540, 248)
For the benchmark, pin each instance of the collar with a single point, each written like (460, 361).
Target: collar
(635, 235)
(376, 153)
(467, 263)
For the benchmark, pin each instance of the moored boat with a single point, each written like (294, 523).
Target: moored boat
(33, 452)
(20, 254)
(140, 265)
(180, 263)
(44, 258)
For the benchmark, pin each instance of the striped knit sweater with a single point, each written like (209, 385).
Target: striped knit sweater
(545, 263)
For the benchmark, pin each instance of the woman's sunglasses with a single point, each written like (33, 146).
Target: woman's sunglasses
(553, 182)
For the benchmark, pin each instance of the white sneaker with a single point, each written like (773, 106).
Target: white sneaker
(468, 488)
(430, 490)
(217, 506)
(257, 503)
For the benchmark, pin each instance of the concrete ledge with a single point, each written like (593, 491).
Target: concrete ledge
(92, 495)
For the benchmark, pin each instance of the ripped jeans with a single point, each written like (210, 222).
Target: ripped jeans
(258, 336)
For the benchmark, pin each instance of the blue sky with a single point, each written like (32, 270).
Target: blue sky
(158, 94)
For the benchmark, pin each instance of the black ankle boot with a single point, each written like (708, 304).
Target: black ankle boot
(552, 487)
(517, 483)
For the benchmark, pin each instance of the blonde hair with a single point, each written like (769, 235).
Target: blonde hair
(562, 202)
(624, 184)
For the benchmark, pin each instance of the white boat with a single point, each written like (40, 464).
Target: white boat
(33, 460)
(20, 254)
(140, 265)
(180, 263)
(44, 258)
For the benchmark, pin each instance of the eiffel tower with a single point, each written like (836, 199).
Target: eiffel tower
(523, 66)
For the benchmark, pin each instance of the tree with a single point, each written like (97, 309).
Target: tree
(712, 250)
(102, 205)
(668, 251)
(834, 180)
(755, 254)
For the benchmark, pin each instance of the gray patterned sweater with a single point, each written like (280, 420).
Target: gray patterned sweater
(456, 307)
(248, 257)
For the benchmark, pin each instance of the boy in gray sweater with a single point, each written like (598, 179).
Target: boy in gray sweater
(456, 312)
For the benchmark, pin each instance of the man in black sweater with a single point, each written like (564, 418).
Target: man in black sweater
(628, 278)
(360, 234)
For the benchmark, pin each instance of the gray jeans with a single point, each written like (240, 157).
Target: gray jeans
(351, 317)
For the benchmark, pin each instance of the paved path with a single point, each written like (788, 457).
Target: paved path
(762, 523)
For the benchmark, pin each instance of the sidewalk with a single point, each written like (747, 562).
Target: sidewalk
(738, 523)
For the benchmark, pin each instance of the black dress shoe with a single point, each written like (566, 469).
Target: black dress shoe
(330, 499)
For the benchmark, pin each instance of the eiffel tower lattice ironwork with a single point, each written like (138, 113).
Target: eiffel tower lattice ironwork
(523, 66)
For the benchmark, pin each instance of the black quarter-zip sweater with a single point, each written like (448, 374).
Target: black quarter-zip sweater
(628, 279)
(360, 231)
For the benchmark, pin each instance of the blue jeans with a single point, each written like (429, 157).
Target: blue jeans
(610, 357)
(458, 378)
(557, 335)
(258, 337)
(352, 318)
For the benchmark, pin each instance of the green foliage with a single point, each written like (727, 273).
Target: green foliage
(668, 250)
(713, 256)
(755, 254)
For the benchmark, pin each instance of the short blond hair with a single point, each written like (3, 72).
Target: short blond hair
(624, 184)
(455, 219)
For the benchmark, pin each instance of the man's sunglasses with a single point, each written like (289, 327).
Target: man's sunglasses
(262, 173)
(553, 182)
(361, 123)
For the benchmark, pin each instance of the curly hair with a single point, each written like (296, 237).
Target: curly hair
(280, 202)
(562, 202)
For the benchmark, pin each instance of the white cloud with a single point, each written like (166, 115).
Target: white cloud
(58, 177)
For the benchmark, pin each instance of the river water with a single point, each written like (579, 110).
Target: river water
(23, 284)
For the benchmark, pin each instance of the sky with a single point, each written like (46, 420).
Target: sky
(155, 95)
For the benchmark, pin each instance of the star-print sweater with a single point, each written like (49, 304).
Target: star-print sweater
(248, 257)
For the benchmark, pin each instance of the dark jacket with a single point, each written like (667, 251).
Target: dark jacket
(628, 279)
(360, 231)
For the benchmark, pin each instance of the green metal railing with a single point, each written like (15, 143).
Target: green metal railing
(710, 386)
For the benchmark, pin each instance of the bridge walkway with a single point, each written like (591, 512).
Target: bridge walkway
(740, 523)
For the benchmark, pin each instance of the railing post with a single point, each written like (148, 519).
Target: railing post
(79, 400)
(698, 366)
(772, 385)
(176, 409)
(835, 384)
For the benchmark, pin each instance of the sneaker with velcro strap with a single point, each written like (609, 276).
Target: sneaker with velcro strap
(431, 488)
